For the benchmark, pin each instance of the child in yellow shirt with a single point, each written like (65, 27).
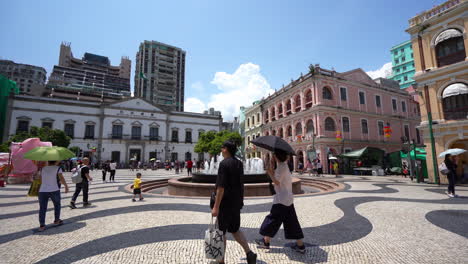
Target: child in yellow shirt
(137, 187)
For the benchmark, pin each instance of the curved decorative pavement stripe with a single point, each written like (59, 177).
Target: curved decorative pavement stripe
(352, 226)
(458, 223)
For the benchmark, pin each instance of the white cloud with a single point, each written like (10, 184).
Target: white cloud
(240, 88)
(385, 71)
(194, 105)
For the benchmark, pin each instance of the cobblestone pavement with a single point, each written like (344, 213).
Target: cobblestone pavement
(374, 220)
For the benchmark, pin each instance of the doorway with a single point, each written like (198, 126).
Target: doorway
(135, 154)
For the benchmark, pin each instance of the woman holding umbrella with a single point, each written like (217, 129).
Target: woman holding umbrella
(51, 176)
(450, 161)
(282, 211)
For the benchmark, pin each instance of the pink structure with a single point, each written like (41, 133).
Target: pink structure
(23, 169)
(312, 110)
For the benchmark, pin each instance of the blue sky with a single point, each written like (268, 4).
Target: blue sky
(278, 38)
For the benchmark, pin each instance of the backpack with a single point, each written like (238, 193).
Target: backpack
(443, 168)
(76, 176)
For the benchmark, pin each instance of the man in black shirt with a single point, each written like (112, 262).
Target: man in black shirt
(84, 184)
(230, 198)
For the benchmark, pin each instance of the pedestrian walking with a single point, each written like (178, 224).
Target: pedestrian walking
(230, 198)
(309, 167)
(51, 176)
(336, 168)
(83, 185)
(104, 169)
(282, 212)
(189, 167)
(112, 168)
(451, 163)
(300, 167)
(137, 187)
(319, 168)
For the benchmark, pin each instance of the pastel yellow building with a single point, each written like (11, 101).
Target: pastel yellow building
(439, 43)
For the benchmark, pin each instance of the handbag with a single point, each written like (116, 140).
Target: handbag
(34, 188)
(443, 168)
(214, 242)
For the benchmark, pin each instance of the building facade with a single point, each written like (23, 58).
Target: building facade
(253, 128)
(311, 111)
(30, 79)
(117, 131)
(439, 42)
(91, 78)
(403, 64)
(160, 74)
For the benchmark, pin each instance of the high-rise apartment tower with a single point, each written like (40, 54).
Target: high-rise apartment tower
(160, 74)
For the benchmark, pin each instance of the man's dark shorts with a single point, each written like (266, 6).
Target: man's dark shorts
(137, 191)
(229, 220)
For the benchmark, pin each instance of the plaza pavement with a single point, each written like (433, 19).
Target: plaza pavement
(374, 220)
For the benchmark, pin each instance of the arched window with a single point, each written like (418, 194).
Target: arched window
(288, 107)
(455, 101)
(258, 135)
(273, 114)
(308, 99)
(273, 132)
(345, 124)
(298, 129)
(266, 116)
(258, 118)
(253, 120)
(281, 133)
(248, 140)
(326, 93)
(449, 47)
(289, 134)
(310, 127)
(330, 124)
(297, 101)
(280, 110)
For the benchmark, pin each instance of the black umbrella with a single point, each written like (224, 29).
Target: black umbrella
(273, 143)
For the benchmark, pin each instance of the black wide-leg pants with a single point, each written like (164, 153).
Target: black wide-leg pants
(282, 215)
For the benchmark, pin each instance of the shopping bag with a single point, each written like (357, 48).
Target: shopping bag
(443, 168)
(214, 242)
(34, 188)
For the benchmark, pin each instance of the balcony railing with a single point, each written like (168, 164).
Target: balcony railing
(450, 59)
(459, 114)
(153, 138)
(175, 140)
(188, 141)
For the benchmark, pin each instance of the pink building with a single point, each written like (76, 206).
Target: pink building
(313, 109)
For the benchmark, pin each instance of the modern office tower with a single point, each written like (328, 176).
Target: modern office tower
(403, 64)
(30, 79)
(90, 78)
(160, 74)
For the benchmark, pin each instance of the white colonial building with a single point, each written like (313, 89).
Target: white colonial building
(115, 131)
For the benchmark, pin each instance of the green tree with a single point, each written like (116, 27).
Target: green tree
(211, 142)
(55, 136)
(75, 150)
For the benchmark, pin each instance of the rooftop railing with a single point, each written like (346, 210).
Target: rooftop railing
(434, 11)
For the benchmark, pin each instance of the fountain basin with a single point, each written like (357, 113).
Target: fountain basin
(184, 186)
(247, 178)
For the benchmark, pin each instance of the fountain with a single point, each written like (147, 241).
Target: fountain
(255, 179)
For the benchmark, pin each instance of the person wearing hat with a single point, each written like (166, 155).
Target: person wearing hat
(230, 198)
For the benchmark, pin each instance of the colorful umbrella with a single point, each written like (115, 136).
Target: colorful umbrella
(453, 152)
(49, 153)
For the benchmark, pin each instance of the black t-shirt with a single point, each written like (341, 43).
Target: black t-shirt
(230, 173)
(84, 170)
